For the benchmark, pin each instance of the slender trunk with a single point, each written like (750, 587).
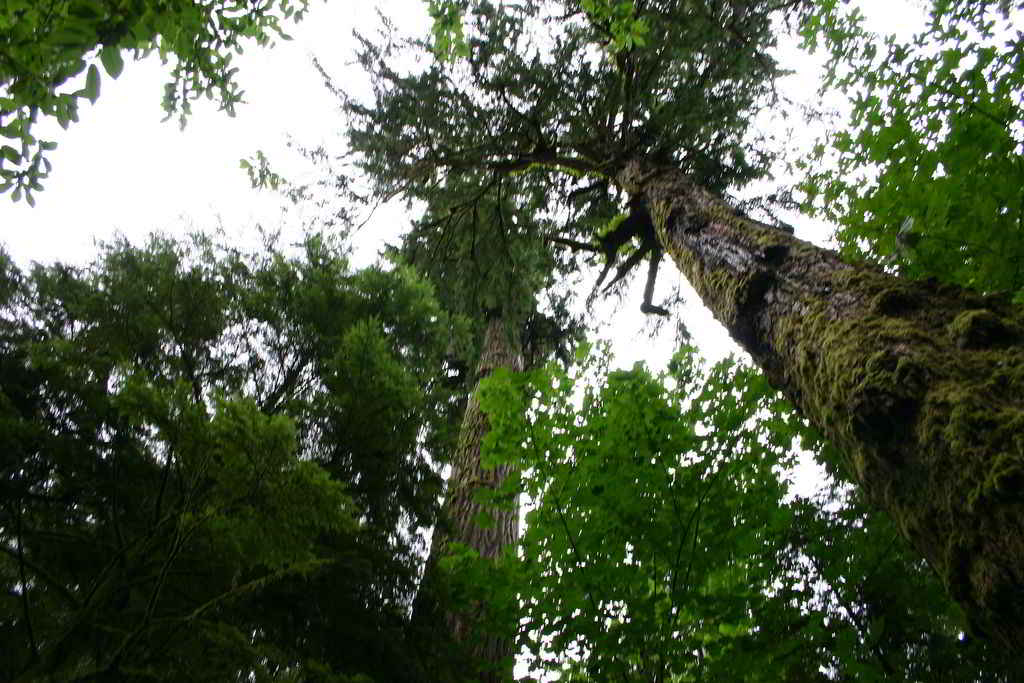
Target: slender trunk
(920, 385)
(461, 511)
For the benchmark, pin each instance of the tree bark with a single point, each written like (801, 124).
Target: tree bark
(920, 385)
(461, 511)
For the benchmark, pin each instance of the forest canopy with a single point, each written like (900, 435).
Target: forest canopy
(222, 464)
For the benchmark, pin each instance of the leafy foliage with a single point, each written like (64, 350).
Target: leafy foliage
(447, 30)
(44, 45)
(663, 543)
(926, 177)
(621, 20)
(207, 457)
(210, 456)
(618, 18)
(651, 529)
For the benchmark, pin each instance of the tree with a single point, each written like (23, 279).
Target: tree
(208, 457)
(917, 384)
(477, 524)
(483, 251)
(649, 550)
(913, 381)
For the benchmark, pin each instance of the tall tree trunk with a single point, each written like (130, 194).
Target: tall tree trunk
(461, 511)
(919, 384)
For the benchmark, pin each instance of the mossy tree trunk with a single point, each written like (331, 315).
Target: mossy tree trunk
(489, 653)
(919, 385)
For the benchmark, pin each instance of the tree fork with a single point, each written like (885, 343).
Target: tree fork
(920, 385)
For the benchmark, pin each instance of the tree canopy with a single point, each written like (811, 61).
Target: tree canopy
(504, 107)
(664, 541)
(209, 456)
(232, 458)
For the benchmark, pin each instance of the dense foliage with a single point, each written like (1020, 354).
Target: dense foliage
(663, 541)
(926, 175)
(542, 96)
(214, 463)
(583, 103)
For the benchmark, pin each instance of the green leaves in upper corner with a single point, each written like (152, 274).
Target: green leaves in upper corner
(49, 46)
(620, 20)
(619, 17)
(449, 38)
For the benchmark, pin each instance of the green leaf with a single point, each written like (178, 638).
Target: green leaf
(113, 63)
(92, 84)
